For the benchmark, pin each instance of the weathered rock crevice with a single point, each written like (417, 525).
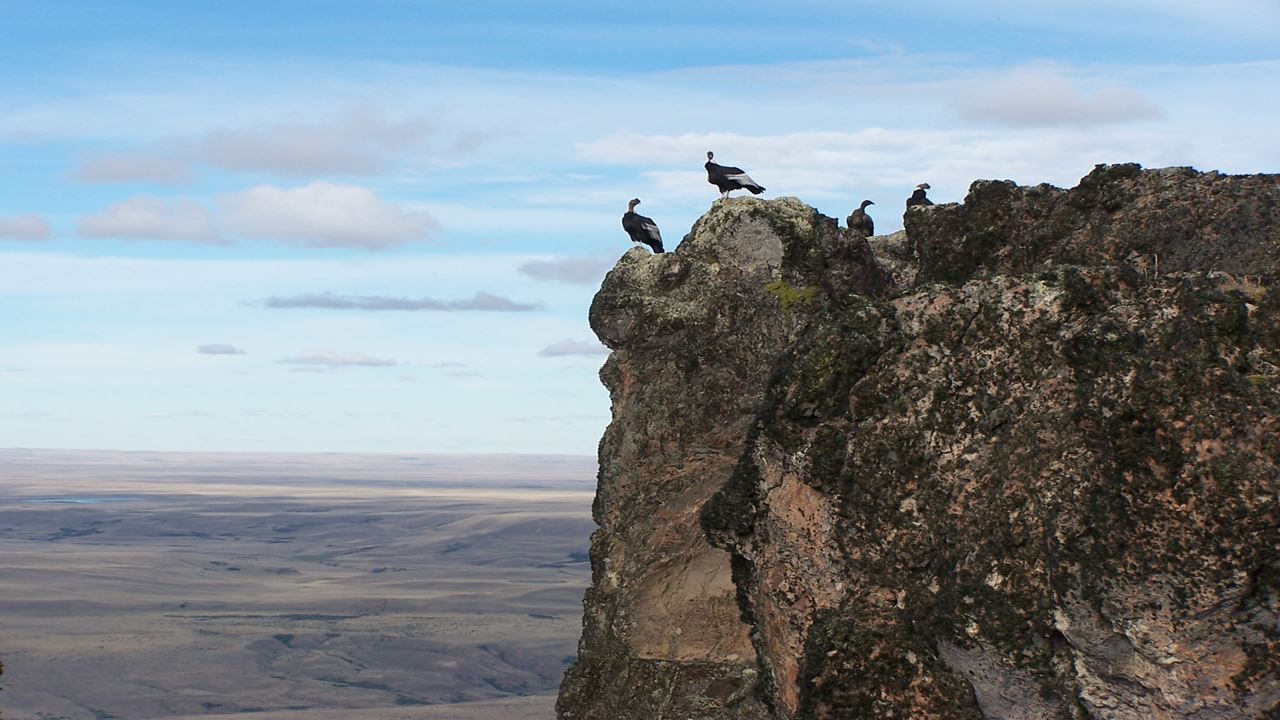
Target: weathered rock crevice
(1019, 460)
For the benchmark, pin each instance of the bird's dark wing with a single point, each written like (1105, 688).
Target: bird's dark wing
(739, 176)
(643, 230)
(727, 177)
(650, 228)
(640, 228)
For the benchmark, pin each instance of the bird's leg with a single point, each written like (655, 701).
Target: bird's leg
(724, 195)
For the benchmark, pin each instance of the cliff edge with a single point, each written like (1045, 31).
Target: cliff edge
(1018, 461)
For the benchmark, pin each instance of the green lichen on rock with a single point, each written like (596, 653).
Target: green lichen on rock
(789, 295)
(1059, 467)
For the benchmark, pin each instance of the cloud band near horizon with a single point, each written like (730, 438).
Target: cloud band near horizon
(480, 302)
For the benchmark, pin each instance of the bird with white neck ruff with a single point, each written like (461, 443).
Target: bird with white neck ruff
(729, 178)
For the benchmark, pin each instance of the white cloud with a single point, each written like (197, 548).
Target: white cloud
(328, 358)
(825, 150)
(834, 170)
(357, 142)
(323, 214)
(481, 301)
(1032, 97)
(151, 218)
(812, 165)
(354, 142)
(24, 227)
(1247, 19)
(573, 347)
(219, 349)
(316, 215)
(132, 167)
(572, 270)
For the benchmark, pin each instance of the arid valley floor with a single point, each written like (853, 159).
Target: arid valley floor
(276, 586)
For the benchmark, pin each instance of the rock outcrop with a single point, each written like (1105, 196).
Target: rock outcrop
(1019, 461)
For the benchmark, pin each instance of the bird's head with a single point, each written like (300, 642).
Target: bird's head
(710, 155)
(865, 203)
(633, 203)
(922, 186)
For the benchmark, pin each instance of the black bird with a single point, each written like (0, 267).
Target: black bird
(729, 178)
(640, 228)
(860, 222)
(918, 198)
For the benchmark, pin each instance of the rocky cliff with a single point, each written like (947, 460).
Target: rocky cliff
(1018, 461)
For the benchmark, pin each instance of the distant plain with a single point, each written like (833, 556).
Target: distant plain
(284, 587)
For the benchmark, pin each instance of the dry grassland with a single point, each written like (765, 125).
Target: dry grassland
(284, 587)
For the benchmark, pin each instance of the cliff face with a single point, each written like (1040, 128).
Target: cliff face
(1019, 461)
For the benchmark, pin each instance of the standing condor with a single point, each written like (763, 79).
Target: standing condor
(640, 228)
(860, 222)
(918, 198)
(729, 178)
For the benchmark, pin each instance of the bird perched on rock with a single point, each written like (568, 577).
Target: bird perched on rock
(640, 228)
(860, 222)
(729, 178)
(918, 198)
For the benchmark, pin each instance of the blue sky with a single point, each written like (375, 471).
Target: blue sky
(377, 226)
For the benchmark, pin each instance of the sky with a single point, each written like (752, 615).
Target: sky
(376, 226)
